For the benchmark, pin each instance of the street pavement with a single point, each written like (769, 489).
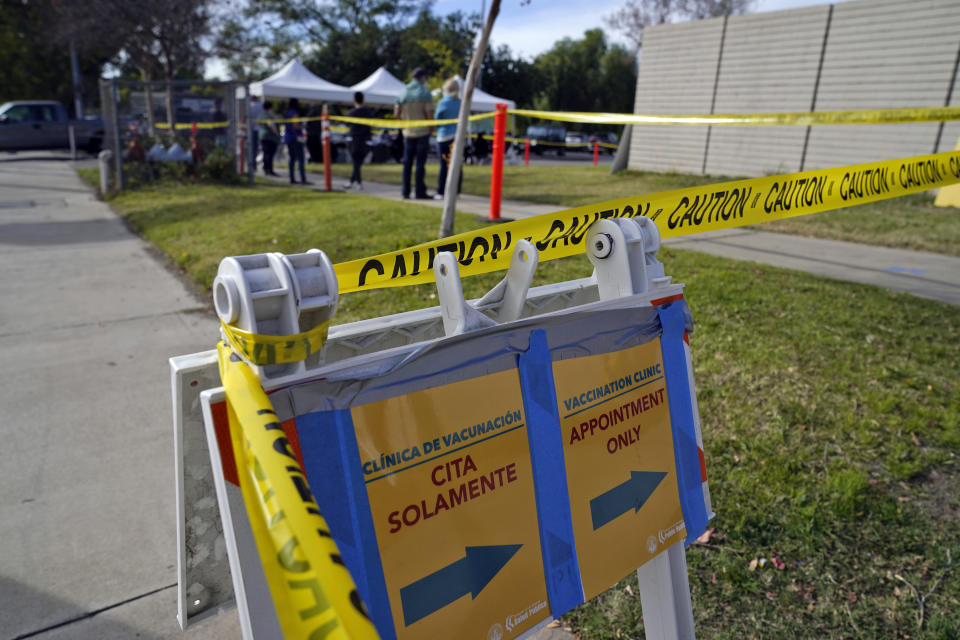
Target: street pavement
(89, 315)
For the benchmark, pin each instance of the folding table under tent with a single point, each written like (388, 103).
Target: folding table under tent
(380, 88)
(296, 81)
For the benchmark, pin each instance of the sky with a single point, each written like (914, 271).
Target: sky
(532, 29)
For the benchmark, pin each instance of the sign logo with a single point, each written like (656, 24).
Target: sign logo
(515, 620)
(670, 532)
(496, 632)
(652, 544)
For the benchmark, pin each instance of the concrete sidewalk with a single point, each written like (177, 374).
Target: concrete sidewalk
(88, 318)
(927, 275)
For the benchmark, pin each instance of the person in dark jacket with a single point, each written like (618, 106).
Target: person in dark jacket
(269, 137)
(359, 136)
(292, 132)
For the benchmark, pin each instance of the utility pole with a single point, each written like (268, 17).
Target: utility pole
(483, 12)
(77, 84)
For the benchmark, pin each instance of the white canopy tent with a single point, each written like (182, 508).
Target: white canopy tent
(483, 101)
(383, 88)
(380, 88)
(296, 81)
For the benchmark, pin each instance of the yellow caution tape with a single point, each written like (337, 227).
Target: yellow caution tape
(863, 116)
(313, 592)
(403, 124)
(189, 125)
(677, 213)
(867, 116)
(263, 350)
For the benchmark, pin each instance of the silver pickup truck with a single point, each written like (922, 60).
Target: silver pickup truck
(43, 124)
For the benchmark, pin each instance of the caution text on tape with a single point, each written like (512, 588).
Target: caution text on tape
(677, 213)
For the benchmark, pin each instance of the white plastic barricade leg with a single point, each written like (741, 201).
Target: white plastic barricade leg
(493, 448)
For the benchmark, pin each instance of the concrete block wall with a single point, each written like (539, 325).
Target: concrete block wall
(676, 75)
(951, 130)
(884, 54)
(863, 54)
(781, 80)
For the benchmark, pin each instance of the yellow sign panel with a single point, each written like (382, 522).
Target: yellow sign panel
(621, 470)
(450, 485)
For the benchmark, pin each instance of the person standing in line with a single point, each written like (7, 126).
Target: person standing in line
(480, 149)
(359, 136)
(448, 108)
(255, 113)
(292, 132)
(314, 135)
(415, 103)
(269, 137)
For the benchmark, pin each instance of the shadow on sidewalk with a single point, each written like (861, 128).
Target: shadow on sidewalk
(38, 234)
(29, 613)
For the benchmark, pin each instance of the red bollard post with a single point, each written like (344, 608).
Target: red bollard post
(496, 173)
(596, 153)
(526, 153)
(242, 144)
(325, 135)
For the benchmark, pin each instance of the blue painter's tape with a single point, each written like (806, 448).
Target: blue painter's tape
(332, 465)
(682, 420)
(560, 566)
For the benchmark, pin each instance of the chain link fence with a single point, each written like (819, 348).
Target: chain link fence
(182, 129)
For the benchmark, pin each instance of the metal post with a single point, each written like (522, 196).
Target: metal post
(242, 145)
(72, 135)
(114, 94)
(596, 153)
(104, 158)
(252, 150)
(231, 141)
(496, 173)
(77, 82)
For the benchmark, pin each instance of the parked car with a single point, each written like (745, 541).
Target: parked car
(547, 138)
(576, 141)
(43, 124)
(605, 137)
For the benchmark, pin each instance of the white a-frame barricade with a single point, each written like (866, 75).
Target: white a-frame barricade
(482, 467)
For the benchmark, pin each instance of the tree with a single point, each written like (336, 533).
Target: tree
(163, 37)
(160, 38)
(440, 44)
(635, 15)
(34, 54)
(250, 44)
(509, 77)
(585, 75)
(344, 40)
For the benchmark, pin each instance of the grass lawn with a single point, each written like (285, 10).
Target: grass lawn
(830, 412)
(910, 222)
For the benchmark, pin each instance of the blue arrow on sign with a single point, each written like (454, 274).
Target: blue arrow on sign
(467, 575)
(612, 504)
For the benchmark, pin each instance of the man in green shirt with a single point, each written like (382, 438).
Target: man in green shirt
(415, 103)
